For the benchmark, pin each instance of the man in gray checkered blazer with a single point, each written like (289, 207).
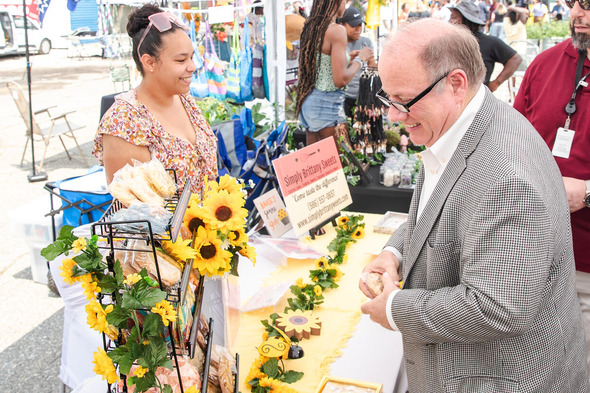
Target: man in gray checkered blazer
(485, 260)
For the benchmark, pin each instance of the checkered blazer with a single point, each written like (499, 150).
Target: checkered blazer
(488, 301)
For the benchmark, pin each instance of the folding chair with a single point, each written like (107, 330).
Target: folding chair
(53, 125)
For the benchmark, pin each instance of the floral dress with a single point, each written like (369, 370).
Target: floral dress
(129, 119)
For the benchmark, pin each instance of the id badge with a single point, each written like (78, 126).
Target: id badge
(563, 142)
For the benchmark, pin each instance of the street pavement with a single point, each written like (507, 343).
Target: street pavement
(31, 316)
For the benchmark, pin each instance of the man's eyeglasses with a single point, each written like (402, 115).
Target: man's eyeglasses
(584, 4)
(405, 108)
(163, 22)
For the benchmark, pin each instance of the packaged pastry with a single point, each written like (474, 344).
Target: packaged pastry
(159, 178)
(119, 187)
(170, 272)
(374, 283)
(143, 190)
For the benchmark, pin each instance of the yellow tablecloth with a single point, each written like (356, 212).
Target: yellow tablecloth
(339, 314)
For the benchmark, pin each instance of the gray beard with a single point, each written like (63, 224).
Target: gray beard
(579, 40)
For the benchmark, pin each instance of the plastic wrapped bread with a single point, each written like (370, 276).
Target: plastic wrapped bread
(119, 187)
(159, 178)
(142, 188)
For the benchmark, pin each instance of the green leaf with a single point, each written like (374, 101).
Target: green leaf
(291, 376)
(118, 317)
(167, 389)
(144, 383)
(119, 273)
(87, 263)
(108, 284)
(130, 302)
(54, 250)
(152, 325)
(271, 368)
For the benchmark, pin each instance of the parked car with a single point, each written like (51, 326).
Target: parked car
(12, 35)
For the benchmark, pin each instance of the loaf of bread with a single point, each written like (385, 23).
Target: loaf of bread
(159, 178)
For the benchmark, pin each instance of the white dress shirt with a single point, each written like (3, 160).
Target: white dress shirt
(435, 160)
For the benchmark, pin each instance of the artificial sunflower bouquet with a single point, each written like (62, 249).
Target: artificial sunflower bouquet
(268, 374)
(130, 295)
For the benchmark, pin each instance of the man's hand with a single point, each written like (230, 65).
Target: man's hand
(384, 262)
(576, 191)
(377, 308)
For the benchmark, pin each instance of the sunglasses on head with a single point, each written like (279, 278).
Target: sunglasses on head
(163, 22)
(584, 4)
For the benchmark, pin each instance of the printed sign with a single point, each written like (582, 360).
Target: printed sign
(273, 213)
(313, 184)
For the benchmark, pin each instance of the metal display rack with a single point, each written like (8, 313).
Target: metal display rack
(117, 239)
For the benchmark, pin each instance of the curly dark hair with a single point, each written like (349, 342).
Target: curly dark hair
(136, 24)
(311, 41)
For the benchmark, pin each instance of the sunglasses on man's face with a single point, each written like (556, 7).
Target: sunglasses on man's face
(163, 22)
(584, 4)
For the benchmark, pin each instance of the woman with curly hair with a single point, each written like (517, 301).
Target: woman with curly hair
(159, 118)
(324, 70)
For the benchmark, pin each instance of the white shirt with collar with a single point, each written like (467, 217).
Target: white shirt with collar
(435, 160)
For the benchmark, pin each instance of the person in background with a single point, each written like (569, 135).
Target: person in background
(324, 70)
(493, 50)
(420, 11)
(560, 11)
(539, 11)
(404, 14)
(444, 13)
(484, 14)
(353, 23)
(487, 302)
(546, 89)
(497, 20)
(159, 119)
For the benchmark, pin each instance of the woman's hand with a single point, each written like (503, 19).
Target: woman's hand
(365, 54)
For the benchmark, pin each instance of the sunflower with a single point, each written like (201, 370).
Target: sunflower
(131, 279)
(342, 221)
(249, 252)
(166, 311)
(180, 250)
(104, 366)
(299, 323)
(227, 183)
(90, 286)
(211, 259)
(67, 271)
(139, 372)
(79, 245)
(238, 237)
(358, 233)
(321, 262)
(300, 283)
(338, 274)
(193, 218)
(317, 290)
(224, 211)
(97, 316)
(192, 389)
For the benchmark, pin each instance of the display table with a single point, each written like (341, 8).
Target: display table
(350, 345)
(376, 198)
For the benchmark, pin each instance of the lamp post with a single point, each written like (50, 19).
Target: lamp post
(34, 176)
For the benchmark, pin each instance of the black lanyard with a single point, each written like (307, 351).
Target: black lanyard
(570, 108)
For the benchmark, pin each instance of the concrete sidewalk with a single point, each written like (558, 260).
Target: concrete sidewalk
(32, 317)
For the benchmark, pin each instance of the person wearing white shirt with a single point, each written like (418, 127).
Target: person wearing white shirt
(481, 276)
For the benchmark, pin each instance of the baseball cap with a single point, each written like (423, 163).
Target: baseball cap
(469, 10)
(352, 16)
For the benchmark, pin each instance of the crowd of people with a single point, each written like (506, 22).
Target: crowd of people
(489, 279)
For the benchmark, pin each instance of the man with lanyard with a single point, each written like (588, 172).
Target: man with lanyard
(353, 23)
(554, 96)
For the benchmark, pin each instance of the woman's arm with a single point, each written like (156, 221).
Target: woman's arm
(342, 71)
(117, 152)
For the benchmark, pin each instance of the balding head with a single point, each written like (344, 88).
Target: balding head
(441, 47)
